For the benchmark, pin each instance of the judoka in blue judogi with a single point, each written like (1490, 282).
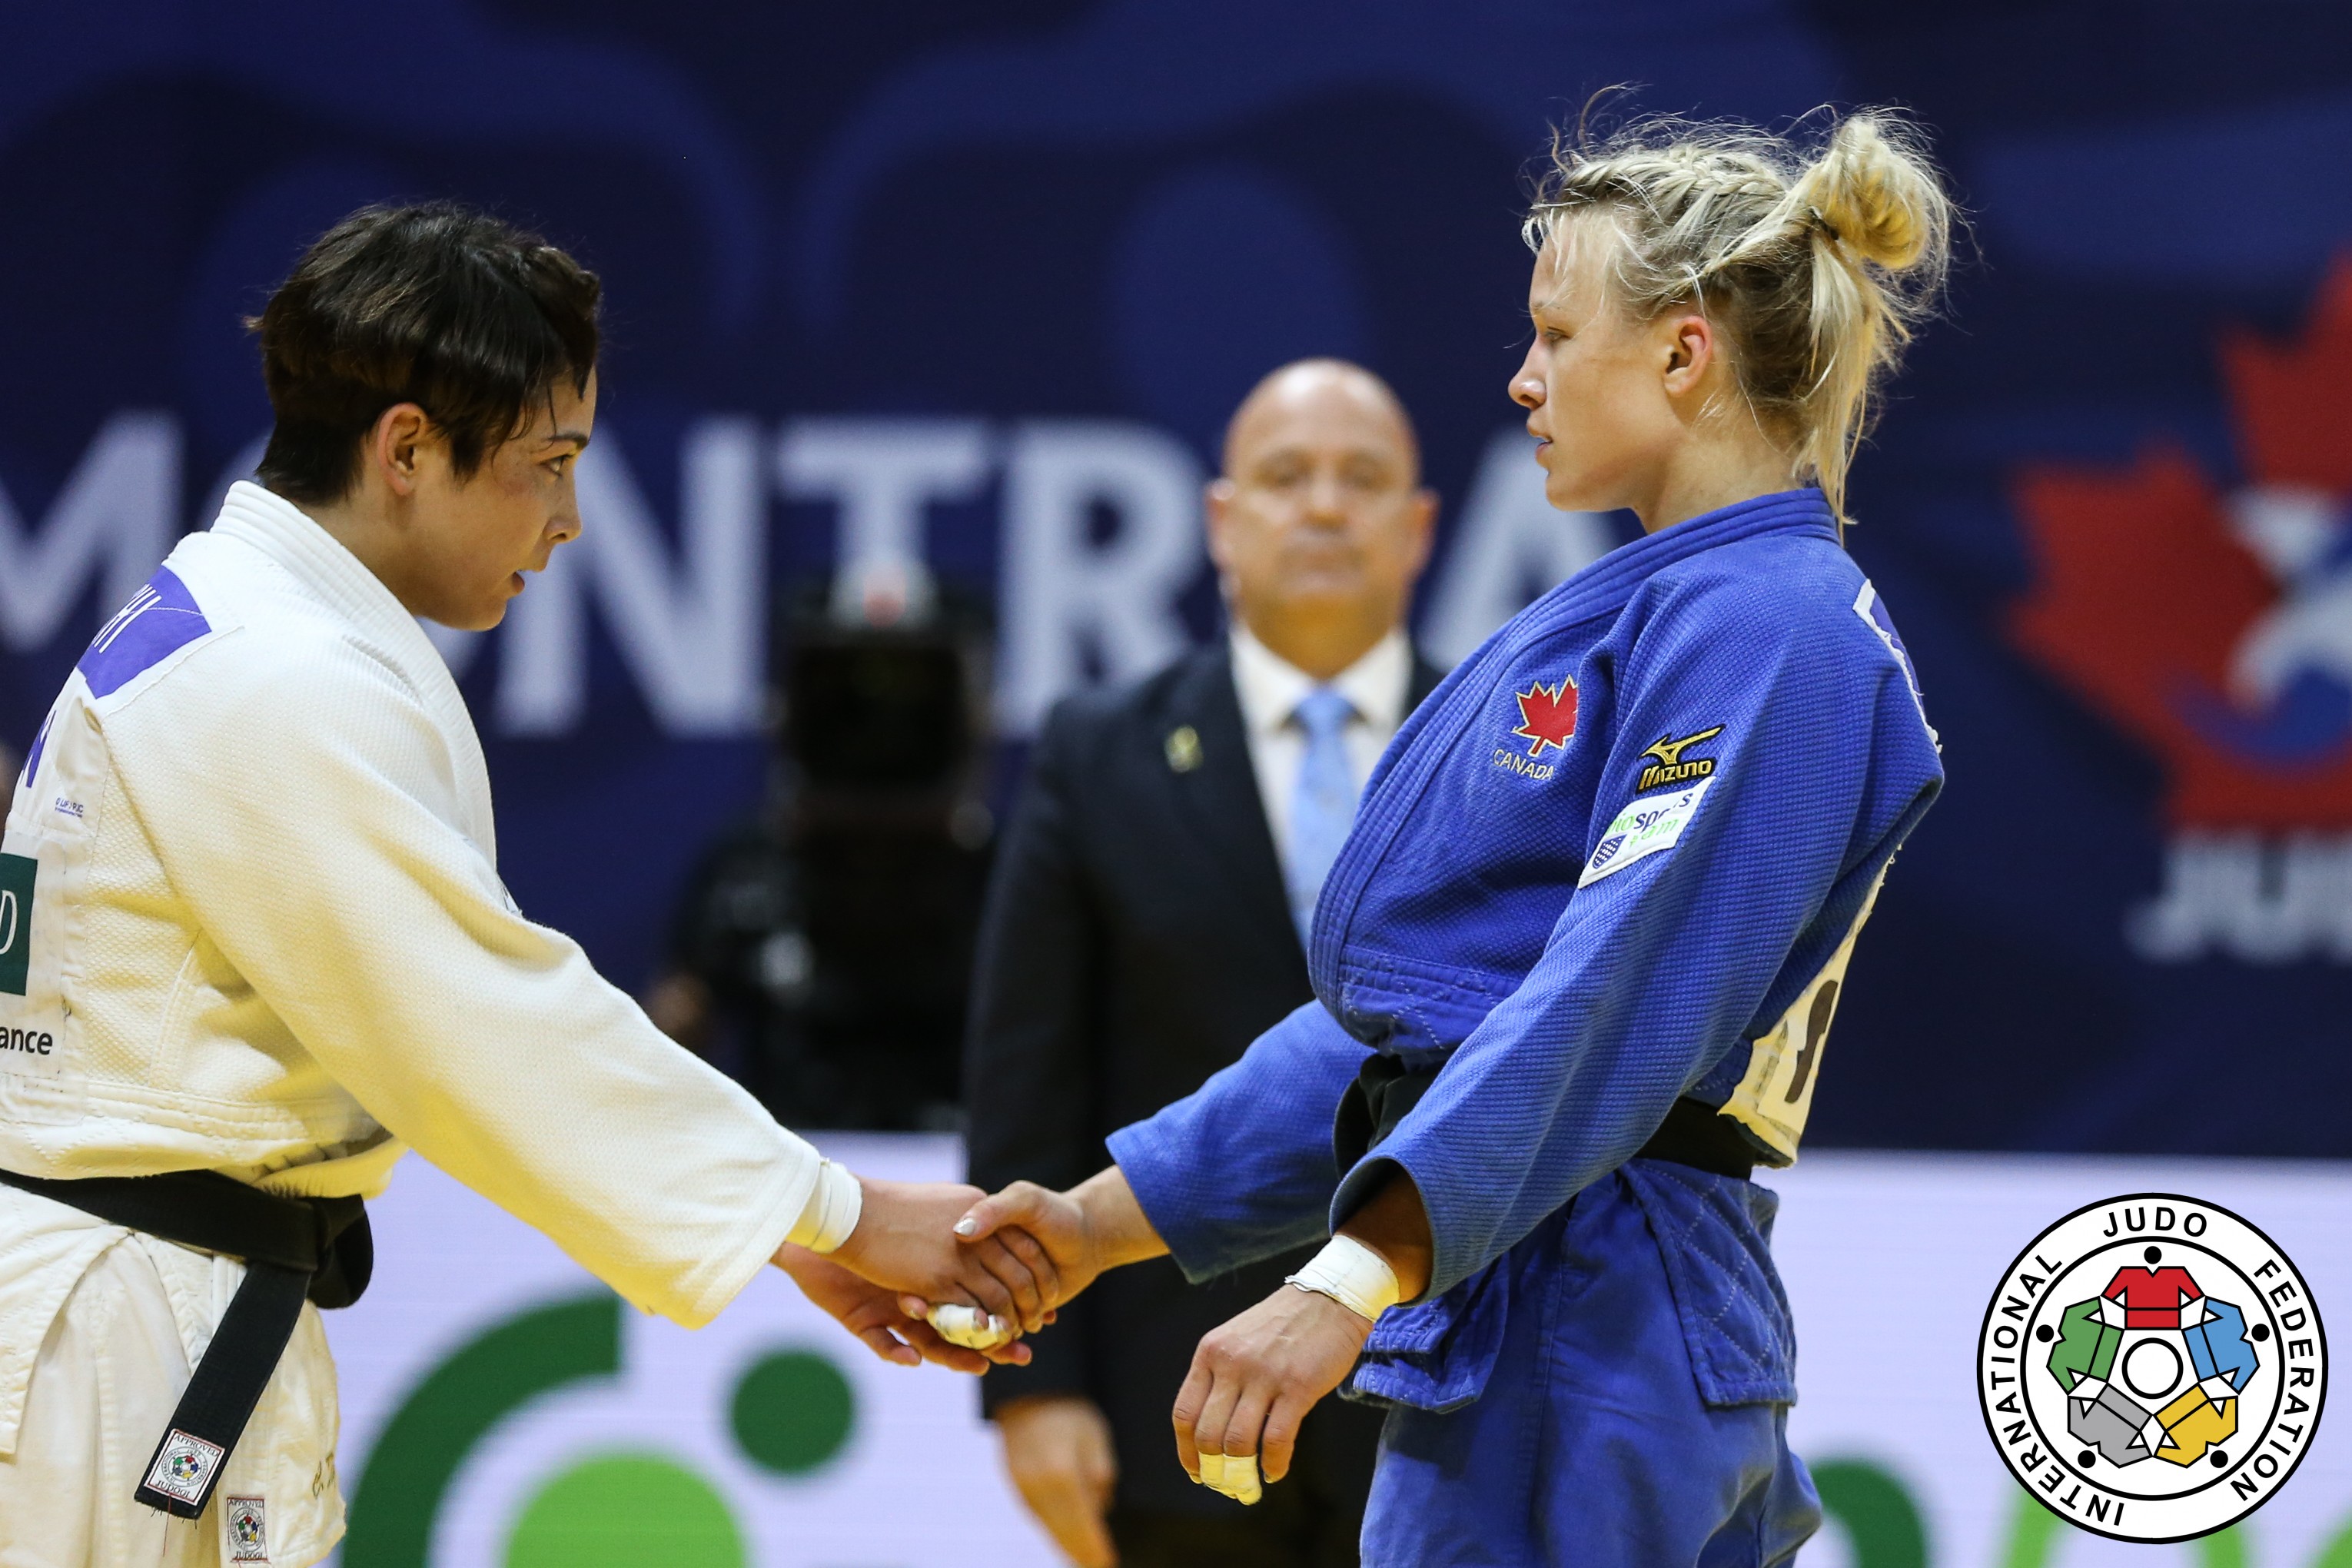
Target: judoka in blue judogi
(1576, 968)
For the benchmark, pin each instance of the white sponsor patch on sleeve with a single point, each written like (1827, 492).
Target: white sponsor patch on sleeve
(1651, 823)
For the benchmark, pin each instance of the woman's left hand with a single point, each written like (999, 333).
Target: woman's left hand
(881, 1317)
(1255, 1379)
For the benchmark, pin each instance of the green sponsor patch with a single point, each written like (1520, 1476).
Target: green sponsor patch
(1652, 824)
(16, 873)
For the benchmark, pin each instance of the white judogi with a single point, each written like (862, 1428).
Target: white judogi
(250, 921)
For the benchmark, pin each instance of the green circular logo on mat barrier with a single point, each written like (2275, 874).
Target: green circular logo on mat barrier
(792, 1412)
(626, 1510)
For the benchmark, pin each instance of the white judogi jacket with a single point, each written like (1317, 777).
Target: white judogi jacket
(251, 921)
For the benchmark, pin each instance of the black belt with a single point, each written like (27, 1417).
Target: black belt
(294, 1250)
(1698, 1134)
(1694, 1133)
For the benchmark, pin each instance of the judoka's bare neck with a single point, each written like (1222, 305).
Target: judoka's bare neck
(1723, 460)
(372, 530)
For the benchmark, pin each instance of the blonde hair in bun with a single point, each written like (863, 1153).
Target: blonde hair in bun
(1815, 261)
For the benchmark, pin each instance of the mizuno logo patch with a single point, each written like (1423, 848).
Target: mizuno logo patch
(1665, 763)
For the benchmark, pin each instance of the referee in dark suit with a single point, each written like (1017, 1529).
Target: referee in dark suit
(1145, 925)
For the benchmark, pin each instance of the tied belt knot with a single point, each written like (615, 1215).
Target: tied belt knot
(1694, 1133)
(294, 1250)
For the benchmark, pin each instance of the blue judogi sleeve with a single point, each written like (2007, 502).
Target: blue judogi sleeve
(1656, 971)
(1241, 1169)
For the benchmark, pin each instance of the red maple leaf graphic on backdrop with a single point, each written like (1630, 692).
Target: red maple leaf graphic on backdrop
(2143, 593)
(1548, 715)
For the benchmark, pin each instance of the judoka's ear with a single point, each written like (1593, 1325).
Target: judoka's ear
(1685, 342)
(395, 447)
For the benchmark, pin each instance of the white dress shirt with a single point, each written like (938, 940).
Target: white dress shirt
(1270, 687)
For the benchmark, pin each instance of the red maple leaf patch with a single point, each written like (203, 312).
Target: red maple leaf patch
(2143, 596)
(1547, 715)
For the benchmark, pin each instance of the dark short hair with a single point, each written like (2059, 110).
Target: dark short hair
(463, 314)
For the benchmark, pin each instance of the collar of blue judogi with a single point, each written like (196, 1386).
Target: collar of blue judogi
(1613, 579)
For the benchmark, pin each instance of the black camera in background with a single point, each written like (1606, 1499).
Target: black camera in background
(833, 932)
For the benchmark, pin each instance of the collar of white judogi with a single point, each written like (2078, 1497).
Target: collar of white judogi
(316, 560)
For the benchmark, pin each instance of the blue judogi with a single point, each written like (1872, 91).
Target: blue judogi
(1618, 859)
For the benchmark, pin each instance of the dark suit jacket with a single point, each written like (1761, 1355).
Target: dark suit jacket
(1138, 939)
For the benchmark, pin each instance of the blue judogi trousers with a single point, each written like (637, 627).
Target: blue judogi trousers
(1590, 1446)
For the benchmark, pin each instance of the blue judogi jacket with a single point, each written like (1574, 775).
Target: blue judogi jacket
(1620, 856)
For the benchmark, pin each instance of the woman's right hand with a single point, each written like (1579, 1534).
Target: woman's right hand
(1096, 1224)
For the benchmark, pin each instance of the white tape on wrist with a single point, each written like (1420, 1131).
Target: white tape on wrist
(831, 1211)
(969, 1326)
(1352, 1274)
(1234, 1475)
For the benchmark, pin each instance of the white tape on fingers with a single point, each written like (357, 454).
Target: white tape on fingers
(968, 1327)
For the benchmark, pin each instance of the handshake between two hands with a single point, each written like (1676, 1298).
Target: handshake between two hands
(944, 1272)
(929, 1263)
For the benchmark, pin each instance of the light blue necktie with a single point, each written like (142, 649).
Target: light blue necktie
(1323, 806)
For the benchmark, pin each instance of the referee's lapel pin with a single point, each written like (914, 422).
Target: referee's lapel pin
(1183, 749)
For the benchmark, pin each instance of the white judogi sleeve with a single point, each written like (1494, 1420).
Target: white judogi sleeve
(302, 809)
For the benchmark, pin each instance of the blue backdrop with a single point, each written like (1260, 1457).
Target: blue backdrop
(969, 290)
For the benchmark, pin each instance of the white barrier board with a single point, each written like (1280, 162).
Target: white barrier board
(501, 1410)
(850, 1463)
(1890, 1260)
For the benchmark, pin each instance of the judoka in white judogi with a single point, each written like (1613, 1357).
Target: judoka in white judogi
(251, 921)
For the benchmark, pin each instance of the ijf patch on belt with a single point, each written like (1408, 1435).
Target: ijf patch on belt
(184, 1466)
